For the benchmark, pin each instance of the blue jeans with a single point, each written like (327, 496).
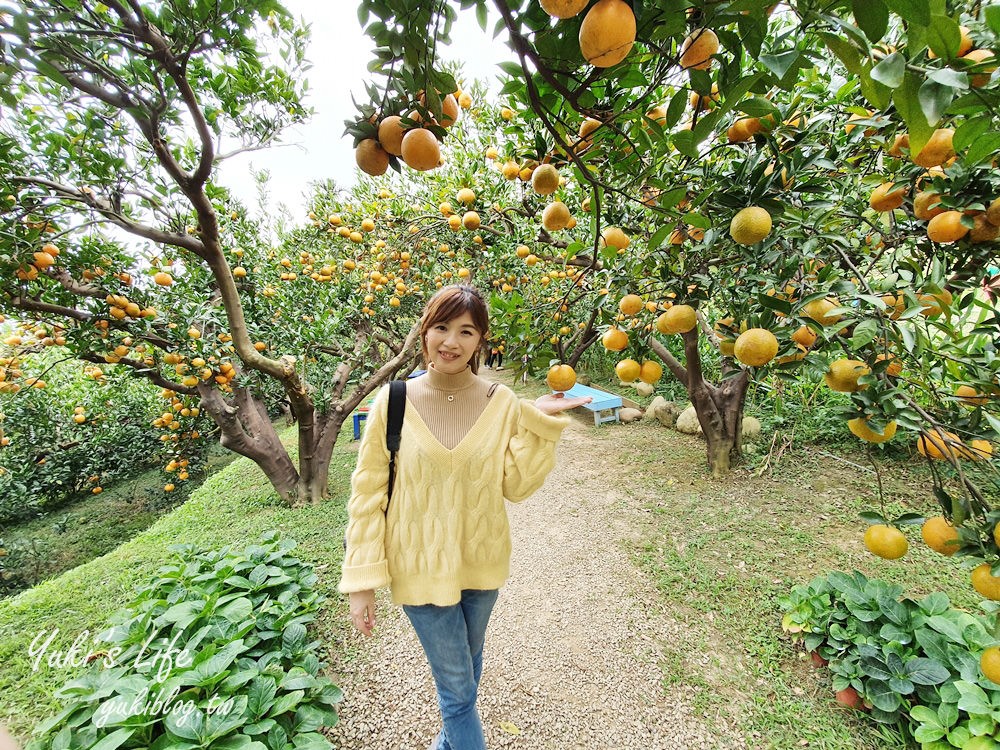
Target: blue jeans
(453, 638)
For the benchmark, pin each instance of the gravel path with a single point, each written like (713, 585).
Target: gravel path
(573, 651)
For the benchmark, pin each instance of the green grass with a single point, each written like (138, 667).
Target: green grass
(77, 532)
(722, 552)
(233, 507)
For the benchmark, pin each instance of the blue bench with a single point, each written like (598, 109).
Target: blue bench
(602, 403)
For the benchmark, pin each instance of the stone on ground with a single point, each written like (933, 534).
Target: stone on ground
(688, 422)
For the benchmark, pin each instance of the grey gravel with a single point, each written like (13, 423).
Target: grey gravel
(575, 646)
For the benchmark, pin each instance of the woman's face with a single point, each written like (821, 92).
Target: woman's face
(451, 344)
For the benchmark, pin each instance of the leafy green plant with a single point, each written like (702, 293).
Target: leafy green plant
(213, 653)
(914, 663)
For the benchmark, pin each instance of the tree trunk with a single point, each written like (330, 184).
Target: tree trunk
(247, 430)
(720, 413)
(719, 408)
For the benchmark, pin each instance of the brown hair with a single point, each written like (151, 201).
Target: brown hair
(449, 303)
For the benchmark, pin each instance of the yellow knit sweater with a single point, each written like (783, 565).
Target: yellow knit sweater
(446, 528)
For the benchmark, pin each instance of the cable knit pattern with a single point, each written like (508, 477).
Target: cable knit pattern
(446, 528)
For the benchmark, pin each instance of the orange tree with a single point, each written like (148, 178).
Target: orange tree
(809, 189)
(114, 236)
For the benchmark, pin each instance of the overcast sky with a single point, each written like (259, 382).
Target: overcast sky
(339, 52)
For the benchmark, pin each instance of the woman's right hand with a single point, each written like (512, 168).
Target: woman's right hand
(363, 611)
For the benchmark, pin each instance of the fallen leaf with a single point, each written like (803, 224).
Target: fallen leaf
(509, 727)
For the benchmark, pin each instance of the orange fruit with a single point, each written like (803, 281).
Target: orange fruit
(819, 310)
(982, 230)
(163, 278)
(698, 48)
(887, 197)
(755, 347)
(899, 143)
(924, 205)
(561, 377)
(555, 216)
(628, 370)
(886, 542)
(614, 339)
(420, 150)
(971, 396)
(744, 129)
(466, 195)
(607, 33)
(390, 134)
(563, 8)
(985, 582)
(750, 225)
(989, 663)
(630, 304)
(371, 158)
(650, 372)
(471, 220)
(940, 446)
(979, 450)
(979, 57)
(934, 303)
(937, 150)
(859, 426)
(940, 535)
(805, 336)
(615, 237)
(895, 366)
(843, 375)
(678, 319)
(545, 179)
(946, 227)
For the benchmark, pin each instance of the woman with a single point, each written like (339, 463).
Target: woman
(443, 545)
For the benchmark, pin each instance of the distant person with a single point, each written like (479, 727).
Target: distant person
(443, 544)
(495, 358)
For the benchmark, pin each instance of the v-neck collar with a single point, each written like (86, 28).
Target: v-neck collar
(476, 427)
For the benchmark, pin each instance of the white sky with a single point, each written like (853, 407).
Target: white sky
(339, 52)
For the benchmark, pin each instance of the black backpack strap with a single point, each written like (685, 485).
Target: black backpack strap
(394, 427)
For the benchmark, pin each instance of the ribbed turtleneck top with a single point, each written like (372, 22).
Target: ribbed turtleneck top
(449, 404)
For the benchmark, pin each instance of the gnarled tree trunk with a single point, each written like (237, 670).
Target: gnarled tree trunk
(719, 407)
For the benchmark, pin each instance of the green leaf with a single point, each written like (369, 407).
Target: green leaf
(293, 639)
(187, 726)
(781, 63)
(659, 236)
(934, 99)
(983, 148)
(872, 17)
(943, 36)
(969, 131)
(974, 699)
(261, 696)
(926, 733)
(925, 715)
(915, 11)
(924, 671)
(116, 739)
(481, 15)
(882, 696)
(907, 101)
(992, 13)
(889, 72)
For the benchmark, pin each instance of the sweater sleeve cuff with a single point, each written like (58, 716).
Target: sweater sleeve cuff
(544, 425)
(364, 577)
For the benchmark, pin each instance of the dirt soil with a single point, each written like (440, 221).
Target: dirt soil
(575, 646)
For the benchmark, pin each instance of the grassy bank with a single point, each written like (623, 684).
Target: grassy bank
(233, 507)
(722, 552)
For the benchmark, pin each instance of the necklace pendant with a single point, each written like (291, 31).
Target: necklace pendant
(451, 397)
